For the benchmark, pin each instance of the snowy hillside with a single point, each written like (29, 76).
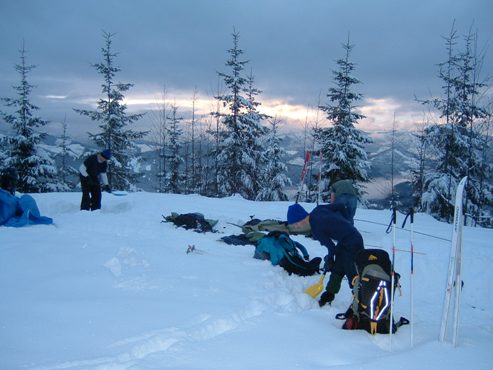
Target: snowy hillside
(115, 289)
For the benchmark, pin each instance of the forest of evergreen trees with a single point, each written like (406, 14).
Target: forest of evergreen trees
(238, 149)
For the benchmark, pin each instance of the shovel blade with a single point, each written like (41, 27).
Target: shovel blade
(118, 193)
(315, 289)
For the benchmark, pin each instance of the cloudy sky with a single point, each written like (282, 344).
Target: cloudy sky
(292, 46)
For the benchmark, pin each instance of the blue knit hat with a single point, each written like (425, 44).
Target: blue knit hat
(106, 154)
(296, 213)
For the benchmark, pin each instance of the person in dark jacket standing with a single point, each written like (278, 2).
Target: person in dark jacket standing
(92, 173)
(328, 223)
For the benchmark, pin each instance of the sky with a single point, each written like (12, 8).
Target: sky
(100, 291)
(291, 45)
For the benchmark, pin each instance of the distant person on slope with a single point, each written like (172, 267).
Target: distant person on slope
(328, 223)
(344, 192)
(92, 173)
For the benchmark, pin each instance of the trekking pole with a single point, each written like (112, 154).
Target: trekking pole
(303, 173)
(411, 280)
(392, 281)
(319, 175)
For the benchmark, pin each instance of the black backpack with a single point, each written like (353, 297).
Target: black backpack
(370, 309)
(194, 221)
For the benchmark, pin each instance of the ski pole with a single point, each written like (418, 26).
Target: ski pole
(392, 282)
(412, 275)
(303, 173)
(319, 175)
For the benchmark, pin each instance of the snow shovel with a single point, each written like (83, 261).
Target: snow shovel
(315, 289)
(118, 193)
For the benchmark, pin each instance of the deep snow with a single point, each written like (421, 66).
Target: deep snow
(115, 289)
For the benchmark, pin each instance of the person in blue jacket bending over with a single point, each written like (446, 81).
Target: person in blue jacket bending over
(329, 223)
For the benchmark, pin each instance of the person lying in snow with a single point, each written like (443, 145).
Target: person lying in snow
(325, 224)
(17, 212)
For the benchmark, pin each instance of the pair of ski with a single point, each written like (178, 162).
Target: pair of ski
(454, 277)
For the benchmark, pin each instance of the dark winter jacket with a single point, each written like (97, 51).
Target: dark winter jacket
(328, 223)
(17, 212)
(94, 168)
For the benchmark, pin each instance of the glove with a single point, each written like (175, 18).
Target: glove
(326, 297)
(329, 263)
(107, 188)
(306, 258)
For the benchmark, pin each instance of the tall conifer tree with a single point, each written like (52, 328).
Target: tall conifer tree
(454, 138)
(35, 167)
(342, 144)
(239, 144)
(175, 159)
(112, 115)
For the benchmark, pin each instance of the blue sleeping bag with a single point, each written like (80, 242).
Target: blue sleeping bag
(18, 212)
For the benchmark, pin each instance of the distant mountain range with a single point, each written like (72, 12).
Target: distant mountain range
(380, 155)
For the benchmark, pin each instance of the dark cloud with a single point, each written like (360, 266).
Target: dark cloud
(292, 45)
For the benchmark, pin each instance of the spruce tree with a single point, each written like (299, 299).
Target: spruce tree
(454, 138)
(274, 176)
(417, 172)
(175, 179)
(160, 139)
(239, 142)
(256, 134)
(35, 167)
(342, 144)
(114, 120)
(64, 170)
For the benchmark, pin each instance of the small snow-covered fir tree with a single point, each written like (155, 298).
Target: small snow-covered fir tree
(239, 149)
(65, 172)
(160, 140)
(114, 120)
(342, 144)
(417, 172)
(175, 178)
(274, 175)
(256, 134)
(35, 167)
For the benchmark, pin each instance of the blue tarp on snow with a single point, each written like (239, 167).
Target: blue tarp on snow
(17, 212)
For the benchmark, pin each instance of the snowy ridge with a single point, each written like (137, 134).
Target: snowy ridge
(115, 289)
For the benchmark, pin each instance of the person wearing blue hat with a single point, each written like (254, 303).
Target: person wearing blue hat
(92, 173)
(329, 223)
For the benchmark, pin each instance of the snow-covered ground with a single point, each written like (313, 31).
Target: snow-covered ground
(116, 290)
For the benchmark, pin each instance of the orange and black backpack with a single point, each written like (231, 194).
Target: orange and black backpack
(370, 309)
